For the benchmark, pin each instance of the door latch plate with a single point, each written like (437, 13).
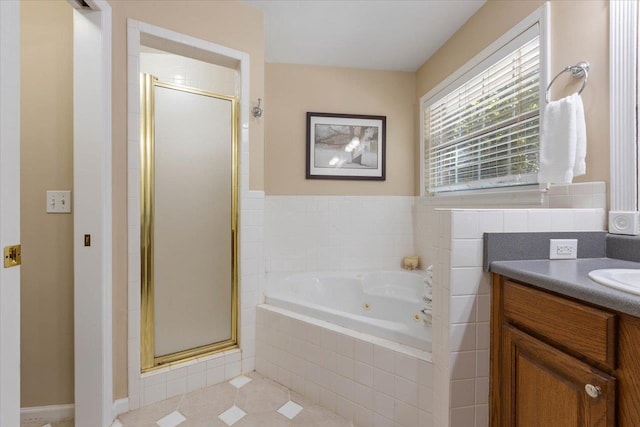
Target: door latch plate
(12, 256)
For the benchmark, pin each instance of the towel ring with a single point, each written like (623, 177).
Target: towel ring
(578, 71)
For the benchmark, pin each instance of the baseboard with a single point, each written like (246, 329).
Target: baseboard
(47, 414)
(56, 413)
(120, 406)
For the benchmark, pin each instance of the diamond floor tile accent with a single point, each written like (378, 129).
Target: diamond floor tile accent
(290, 409)
(172, 420)
(240, 381)
(232, 415)
(257, 402)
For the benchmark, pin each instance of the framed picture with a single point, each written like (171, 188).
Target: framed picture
(345, 146)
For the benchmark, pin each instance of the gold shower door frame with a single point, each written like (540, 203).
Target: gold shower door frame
(148, 360)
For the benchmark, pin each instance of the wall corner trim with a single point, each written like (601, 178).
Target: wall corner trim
(120, 406)
(623, 99)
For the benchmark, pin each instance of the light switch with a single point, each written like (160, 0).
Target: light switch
(59, 201)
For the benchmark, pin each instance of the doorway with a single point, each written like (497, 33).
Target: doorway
(148, 388)
(46, 157)
(92, 399)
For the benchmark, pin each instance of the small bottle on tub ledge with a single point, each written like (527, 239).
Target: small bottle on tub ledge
(427, 298)
(410, 262)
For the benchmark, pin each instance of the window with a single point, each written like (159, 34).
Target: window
(481, 127)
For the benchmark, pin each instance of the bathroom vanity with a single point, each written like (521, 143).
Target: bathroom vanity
(559, 360)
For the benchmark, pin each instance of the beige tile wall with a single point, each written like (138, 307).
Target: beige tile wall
(451, 240)
(367, 380)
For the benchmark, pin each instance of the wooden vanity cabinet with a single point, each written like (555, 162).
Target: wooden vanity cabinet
(559, 362)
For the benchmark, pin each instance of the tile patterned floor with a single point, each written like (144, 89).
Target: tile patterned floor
(251, 401)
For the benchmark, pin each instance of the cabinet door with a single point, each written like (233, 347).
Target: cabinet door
(546, 387)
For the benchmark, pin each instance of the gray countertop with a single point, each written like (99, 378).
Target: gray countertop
(570, 278)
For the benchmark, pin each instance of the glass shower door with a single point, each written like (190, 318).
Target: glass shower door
(189, 291)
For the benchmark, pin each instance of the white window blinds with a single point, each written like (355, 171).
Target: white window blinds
(483, 130)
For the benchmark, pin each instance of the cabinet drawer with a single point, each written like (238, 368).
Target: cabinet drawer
(584, 330)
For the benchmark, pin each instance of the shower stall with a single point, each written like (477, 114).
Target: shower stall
(189, 232)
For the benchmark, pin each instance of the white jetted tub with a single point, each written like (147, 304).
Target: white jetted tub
(384, 304)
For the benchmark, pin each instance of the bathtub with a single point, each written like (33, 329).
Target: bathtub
(384, 304)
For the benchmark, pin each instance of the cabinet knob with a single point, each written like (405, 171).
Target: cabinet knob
(593, 390)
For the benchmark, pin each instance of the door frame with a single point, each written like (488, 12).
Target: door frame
(9, 211)
(141, 33)
(92, 213)
(92, 170)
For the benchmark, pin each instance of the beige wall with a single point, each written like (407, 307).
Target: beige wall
(47, 239)
(579, 31)
(227, 23)
(293, 90)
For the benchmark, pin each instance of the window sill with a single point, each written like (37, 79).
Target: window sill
(519, 197)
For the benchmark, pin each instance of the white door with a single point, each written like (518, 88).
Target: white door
(9, 211)
(94, 406)
(92, 214)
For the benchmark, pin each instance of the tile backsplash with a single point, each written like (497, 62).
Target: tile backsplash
(581, 195)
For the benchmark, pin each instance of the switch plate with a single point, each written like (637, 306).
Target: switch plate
(59, 201)
(563, 248)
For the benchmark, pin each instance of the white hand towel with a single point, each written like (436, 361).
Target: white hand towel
(580, 167)
(563, 141)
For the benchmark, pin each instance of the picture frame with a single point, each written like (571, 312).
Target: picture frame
(346, 146)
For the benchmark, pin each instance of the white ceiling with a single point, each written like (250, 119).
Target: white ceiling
(374, 34)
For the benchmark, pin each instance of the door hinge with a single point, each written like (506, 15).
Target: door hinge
(12, 256)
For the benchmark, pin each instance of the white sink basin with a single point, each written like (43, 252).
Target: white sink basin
(627, 280)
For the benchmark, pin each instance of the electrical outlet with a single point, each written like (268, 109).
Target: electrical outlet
(58, 201)
(563, 248)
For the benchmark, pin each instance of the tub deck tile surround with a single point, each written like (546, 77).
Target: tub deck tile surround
(367, 380)
(461, 291)
(293, 243)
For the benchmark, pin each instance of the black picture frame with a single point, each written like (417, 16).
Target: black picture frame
(346, 146)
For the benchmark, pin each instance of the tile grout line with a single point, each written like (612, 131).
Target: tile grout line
(235, 397)
(180, 402)
(290, 421)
